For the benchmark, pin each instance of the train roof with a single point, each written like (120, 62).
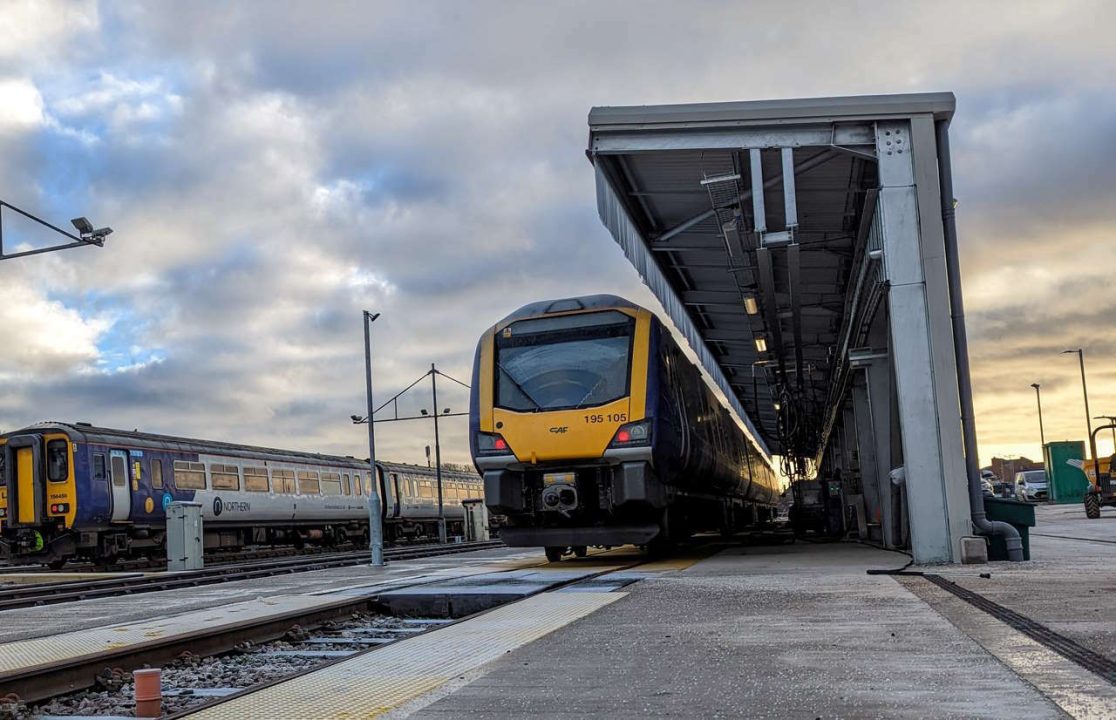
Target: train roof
(92, 433)
(585, 302)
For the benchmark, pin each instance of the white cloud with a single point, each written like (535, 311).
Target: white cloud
(38, 30)
(21, 105)
(43, 338)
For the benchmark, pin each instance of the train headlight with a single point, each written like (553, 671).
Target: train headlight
(492, 444)
(634, 433)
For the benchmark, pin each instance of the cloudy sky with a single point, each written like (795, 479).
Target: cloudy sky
(271, 168)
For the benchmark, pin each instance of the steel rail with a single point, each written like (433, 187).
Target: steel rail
(71, 591)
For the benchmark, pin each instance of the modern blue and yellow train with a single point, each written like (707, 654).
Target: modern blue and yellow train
(591, 427)
(78, 491)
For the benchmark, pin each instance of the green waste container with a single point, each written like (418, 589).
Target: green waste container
(1015, 512)
(1067, 483)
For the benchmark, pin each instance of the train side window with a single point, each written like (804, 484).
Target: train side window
(58, 460)
(255, 479)
(426, 490)
(309, 483)
(189, 475)
(357, 487)
(225, 477)
(119, 471)
(345, 487)
(100, 472)
(284, 481)
(157, 474)
(331, 484)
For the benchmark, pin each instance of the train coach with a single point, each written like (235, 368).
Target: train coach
(591, 427)
(78, 491)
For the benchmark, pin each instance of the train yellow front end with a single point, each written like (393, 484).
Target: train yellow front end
(38, 495)
(582, 433)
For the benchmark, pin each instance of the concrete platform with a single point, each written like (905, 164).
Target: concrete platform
(775, 632)
(802, 631)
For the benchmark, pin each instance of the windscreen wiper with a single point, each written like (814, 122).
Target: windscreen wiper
(520, 388)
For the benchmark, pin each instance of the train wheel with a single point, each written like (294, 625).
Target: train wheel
(1092, 506)
(554, 553)
(56, 564)
(580, 550)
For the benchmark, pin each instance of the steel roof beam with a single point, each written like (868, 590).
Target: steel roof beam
(843, 135)
(744, 196)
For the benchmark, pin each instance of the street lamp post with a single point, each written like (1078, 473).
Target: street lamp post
(437, 455)
(375, 506)
(1042, 435)
(87, 234)
(1085, 392)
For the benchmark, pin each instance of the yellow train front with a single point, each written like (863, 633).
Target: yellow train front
(591, 427)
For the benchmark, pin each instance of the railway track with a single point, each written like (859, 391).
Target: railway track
(42, 682)
(145, 564)
(69, 591)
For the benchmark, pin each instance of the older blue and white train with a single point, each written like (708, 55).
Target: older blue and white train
(75, 491)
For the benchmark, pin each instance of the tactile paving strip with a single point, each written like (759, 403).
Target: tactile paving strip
(375, 683)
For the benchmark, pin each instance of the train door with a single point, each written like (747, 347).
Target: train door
(121, 488)
(395, 497)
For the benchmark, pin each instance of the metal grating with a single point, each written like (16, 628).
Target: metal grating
(1066, 647)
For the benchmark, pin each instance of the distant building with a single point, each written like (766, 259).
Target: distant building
(1005, 468)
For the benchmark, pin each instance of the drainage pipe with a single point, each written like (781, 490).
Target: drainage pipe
(961, 352)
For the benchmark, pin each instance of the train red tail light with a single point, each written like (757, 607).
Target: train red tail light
(633, 434)
(492, 444)
(59, 508)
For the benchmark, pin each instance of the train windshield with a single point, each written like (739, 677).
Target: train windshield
(558, 363)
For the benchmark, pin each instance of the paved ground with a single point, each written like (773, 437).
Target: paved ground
(770, 632)
(803, 631)
(1070, 584)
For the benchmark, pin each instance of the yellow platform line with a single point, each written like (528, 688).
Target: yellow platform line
(372, 684)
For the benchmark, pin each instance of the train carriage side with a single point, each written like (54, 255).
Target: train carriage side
(101, 493)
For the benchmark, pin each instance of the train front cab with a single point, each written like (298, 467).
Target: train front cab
(570, 388)
(38, 495)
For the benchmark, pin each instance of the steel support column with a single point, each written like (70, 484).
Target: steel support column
(867, 443)
(921, 338)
